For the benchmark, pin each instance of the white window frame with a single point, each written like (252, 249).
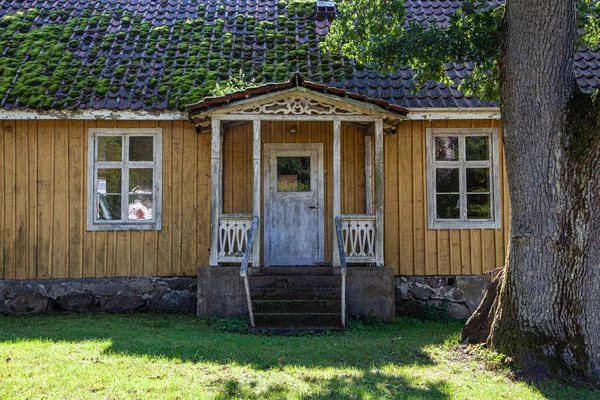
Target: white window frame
(93, 165)
(462, 164)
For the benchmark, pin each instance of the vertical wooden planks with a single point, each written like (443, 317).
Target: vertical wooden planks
(21, 201)
(419, 196)
(164, 248)
(45, 197)
(32, 197)
(76, 159)
(203, 217)
(88, 266)
(392, 202)
(9, 256)
(60, 225)
(188, 198)
(406, 228)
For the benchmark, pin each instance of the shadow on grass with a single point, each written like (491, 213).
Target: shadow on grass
(360, 354)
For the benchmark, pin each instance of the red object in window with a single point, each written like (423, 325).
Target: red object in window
(139, 214)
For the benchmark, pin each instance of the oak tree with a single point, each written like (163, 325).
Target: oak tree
(547, 306)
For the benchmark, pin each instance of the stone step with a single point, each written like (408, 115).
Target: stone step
(292, 320)
(292, 281)
(296, 306)
(308, 270)
(296, 293)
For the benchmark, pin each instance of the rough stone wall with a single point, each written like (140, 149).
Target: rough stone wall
(457, 296)
(112, 295)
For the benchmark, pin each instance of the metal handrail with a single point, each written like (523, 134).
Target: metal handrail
(342, 252)
(244, 267)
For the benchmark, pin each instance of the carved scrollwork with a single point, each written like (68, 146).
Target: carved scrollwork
(295, 106)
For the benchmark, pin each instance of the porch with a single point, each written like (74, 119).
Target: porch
(297, 179)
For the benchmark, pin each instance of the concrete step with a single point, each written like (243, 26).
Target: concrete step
(292, 320)
(292, 281)
(295, 293)
(296, 306)
(308, 270)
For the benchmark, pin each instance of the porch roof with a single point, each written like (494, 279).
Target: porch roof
(341, 102)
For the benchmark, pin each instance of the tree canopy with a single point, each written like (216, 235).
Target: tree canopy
(381, 35)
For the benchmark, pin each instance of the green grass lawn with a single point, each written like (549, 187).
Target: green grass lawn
(169, 356)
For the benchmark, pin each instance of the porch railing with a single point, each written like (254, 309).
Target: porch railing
(358, 237)
(234, 230)
(244, 268)
(338, 230)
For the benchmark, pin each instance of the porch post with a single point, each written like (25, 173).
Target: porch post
(256, 156)
(215, 190)
(379, 193)
(336, 187)
(368, 176)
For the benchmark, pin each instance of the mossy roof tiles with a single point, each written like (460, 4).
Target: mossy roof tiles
(162, 55)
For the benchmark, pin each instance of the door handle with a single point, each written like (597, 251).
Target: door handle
(312, 207)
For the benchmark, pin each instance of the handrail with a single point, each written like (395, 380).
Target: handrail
(244, 267)
(342, 252)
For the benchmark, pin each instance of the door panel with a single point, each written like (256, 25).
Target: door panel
(293, 205)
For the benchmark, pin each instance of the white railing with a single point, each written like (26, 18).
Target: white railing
(233, 236)
(244, 268)
(358, 236)
(343, 266)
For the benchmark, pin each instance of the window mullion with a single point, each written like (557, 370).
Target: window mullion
(462, 177)
(125, 181)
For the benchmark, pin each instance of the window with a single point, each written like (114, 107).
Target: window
(124, 179)
(293, 174)
(463, 181)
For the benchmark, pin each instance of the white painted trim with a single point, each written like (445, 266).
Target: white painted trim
(379, 195)
(215, 191)
(256, 209)
(337, 201)
(268, 147)
(453, 113)
(368, 175)
(102, 114)
(156, 165)
(493, 164)
(278, 117)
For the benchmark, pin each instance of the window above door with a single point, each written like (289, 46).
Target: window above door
(463, 180)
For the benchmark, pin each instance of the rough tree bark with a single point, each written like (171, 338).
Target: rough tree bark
(548, 305)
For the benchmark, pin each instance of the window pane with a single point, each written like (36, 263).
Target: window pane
(478, 206)
(109, 148)
(140, 148)
(446, 180)
(448, 206)
(140, 208)
(109, 181)
(293, 174)
(140, 180)
(477, 148)
(446, 148)
(478, 180)
(108, 207)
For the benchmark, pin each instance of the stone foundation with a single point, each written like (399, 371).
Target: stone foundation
(219, 292)
(112, 295)
(458, 296)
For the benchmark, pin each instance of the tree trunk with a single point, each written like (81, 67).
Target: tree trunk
(548, 306)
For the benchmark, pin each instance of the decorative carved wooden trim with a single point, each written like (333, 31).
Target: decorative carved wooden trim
(358, 234)
(233, 236)
(295, 106)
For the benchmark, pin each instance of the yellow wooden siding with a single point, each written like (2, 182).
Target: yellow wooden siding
(43, 184)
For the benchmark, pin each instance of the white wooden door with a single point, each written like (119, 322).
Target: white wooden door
(294, 204)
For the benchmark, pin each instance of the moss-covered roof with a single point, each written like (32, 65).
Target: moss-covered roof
(157, 55)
